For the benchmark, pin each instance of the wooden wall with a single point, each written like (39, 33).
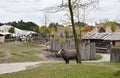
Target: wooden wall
(87, 51)
(115, 55)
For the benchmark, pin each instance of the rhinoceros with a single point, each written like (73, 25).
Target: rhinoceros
(67, 55)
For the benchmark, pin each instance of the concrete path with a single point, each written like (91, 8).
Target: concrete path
(105, 57)
(15, 67)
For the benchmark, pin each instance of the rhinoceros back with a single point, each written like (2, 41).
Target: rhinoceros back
(71, 54)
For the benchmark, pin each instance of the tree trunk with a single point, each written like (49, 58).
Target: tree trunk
(74, 32)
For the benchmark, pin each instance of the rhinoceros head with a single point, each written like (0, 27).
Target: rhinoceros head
(58, 54)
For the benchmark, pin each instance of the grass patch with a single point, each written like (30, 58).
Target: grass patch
(19, 52)
(2, 54)
(61, 70)
(98, 57)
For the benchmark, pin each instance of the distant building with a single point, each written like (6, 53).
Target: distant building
(4, 30)
(103, 37)
(103, 41)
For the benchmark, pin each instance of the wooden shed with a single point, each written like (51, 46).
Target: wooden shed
(103, 40)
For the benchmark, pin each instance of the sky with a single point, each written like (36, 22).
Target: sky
(29, 10)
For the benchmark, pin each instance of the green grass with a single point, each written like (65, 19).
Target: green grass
(2, 54)
(98, 57)
(19, 52)
(72, 70)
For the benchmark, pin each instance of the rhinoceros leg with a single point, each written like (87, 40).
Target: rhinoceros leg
(76, 60)
(66, 60)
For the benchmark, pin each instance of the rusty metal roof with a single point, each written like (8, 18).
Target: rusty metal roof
(103, 36)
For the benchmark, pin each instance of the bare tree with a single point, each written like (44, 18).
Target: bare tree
(74, 31)
(81, 10)
(84, 7)
(69, 5)
(46, 19)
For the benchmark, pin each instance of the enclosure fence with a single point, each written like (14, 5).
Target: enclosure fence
(87, 51)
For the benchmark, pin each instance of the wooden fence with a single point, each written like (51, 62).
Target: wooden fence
(115, 55)
(37, 40)
(103, 49)
(87, 51)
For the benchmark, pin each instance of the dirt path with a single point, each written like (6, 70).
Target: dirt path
(47, 57)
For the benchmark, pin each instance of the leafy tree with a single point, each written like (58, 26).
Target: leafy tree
(12, 30)
(112, 25)
(80, 24)
(14, 23)
(1, 24)
(52, 28)
(68, 33)
(24, 25)
(44, 32)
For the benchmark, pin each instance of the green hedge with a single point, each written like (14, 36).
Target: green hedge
(9, 39)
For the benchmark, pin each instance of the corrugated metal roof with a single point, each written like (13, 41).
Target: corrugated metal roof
(17, 31)
(113, 36)
(103, 36)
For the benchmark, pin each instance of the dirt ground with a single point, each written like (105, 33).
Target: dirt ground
(48, 55)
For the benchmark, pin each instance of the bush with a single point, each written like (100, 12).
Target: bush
(9, 39)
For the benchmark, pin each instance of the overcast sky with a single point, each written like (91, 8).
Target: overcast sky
(27, 10)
